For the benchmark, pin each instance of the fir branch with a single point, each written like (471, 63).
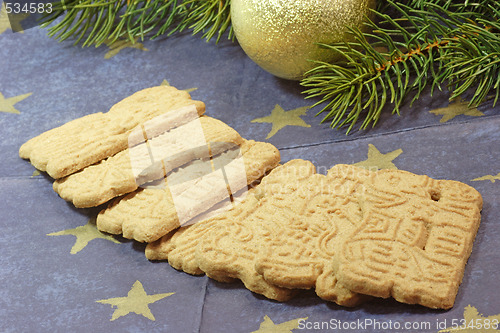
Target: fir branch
(469, 6)
(210, 16)
(473, 62)
(401, 54)
(94, 22)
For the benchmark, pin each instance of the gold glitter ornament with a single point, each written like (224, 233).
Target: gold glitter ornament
(280, 35)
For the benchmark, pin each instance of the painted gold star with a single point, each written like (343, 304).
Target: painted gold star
(474, 322)
(120, 44)
(456, 108)
(267, 326)
(136, 301)
(488, 177)
(166, 83)
(84, 234)
(281, 118)
(7, 104)
(12, 21)
(376, 160)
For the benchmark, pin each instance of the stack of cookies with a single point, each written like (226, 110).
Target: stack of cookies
(350, 235)
(151, 137)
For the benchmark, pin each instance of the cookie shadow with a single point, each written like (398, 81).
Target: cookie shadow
(380, 306)
(308, 298)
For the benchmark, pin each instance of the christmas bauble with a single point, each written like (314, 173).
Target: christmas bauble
(280, 35)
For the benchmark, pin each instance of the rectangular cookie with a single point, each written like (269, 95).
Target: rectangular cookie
(414, 240)
(127, 170)
(92, 138)
(148, 214)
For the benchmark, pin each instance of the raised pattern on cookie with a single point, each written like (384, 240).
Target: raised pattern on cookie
(286, 241)
(182, 249)
(90, 139)
(115, 176)
(385, 226)
(148, 214)
(414, 240)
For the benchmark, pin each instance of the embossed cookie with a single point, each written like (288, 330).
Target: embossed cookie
(317, 232)
(239, 243)
(414, 240)
(148, 214)
(92, 138)
(178, 247)
(116, 175)
(409, 239)
(287, 240)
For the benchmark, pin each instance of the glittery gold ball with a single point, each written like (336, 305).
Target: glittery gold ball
(280, 35)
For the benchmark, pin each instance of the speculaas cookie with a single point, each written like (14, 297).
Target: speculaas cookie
(148, 214)
(349, 234)
(128, 170)
(414, 240)
(92, 138)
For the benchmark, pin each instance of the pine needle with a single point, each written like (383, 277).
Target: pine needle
(423, 43)
(94, 22)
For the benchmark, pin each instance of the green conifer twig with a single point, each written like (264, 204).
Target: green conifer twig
(411, 45)
(427, 45)
(93, 22)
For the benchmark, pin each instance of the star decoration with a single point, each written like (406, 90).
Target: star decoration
(12, 21)
(136, 301)
(120, 44)
(166, 83)
(280, 118)
(471, 321)
(456, 108)
(376, 160)
(84, 234)
(7, 104)
(488, 177)
(267, 326)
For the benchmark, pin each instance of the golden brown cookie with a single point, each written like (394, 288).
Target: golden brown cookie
(287, 240)
(92, 138)
(350, 235)
(182, 249)
(414, 240)
(179, 245)
(148, 214)
(116, 175)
